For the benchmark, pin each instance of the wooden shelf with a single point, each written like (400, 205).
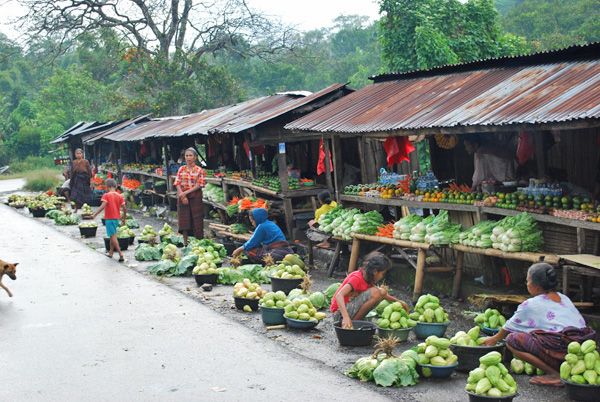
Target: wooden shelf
(214, 180)
(521, 256)
(214, 204)
(544, 218)
(141, 173)
(246, 184)
(398, 202)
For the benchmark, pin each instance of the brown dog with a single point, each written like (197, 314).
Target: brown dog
(11, 271)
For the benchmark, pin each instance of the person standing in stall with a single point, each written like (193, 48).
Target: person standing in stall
(189, 182)
(80, 177)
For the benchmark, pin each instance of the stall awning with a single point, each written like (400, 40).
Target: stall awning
(550, 87)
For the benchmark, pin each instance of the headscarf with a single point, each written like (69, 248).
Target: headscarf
(260, 215)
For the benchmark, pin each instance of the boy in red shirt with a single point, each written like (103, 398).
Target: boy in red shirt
(359, 294)
(112, 202)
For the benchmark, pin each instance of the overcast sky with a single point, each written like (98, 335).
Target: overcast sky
(302, 14)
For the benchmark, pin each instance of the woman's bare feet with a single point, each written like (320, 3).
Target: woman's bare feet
(549, 380)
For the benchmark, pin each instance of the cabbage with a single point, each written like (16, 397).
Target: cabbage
(318, 300)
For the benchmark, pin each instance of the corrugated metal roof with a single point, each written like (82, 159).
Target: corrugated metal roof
(542, 93)
(83, 127)
(228, 119)
(97, 135)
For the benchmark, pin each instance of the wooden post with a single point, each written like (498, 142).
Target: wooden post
(289, 217)
(311, 258)
(361, 157)
(327, 164)
(337, 169)
(166, 165)
(119, 163)
(580, 240)
(460, 257)
(354, 254)
(540, 157)
(421, 255)
(336, 257)
(282, 165)
(565, 280)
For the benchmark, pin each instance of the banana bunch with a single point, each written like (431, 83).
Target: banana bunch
(446, 141)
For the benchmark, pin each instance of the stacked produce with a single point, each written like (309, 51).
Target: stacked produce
(63, 217)
(478, 235)
(343, 222)
(470, 338)
(326, 219)
(148, 234)
(86, 210)
(418, 231)
(131, 184)
(166, 230)
(393, 316)
(366, 223)
(385, 369)
(254, 272)
(207, 261)
(206, 253)
(123, 232)
(386, 230)
(285, 271)
(441, 231)
(131, 223)
(428, 310)
(170, 252)
(435, 352)
(147, 252)
(403, 228)
(248, 290)
(582, 363)
(89, 224)
(302, 309)
(238, 228)
(491, 318)
(517, 233)
(518, 366)
(491, 378)
(17, 201)
(274, 300)
(318, 299)
(214, 193)
(44, 201)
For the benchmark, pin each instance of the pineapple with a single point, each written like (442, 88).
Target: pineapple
(268, 260)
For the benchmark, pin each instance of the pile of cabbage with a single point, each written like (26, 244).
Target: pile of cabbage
(478, 235)
(343, 222)
(441, 231)
(387, 370)
(402, 228)
(517, 233)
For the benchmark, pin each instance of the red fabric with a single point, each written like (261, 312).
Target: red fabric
(321, 163)
(247, 149)
(397, 149)
(143, 149)
(114, 201)
(525, 148)
(259, 150)
(188, 178)
(357, 280)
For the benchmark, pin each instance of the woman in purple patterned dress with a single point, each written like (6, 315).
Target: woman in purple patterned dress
(543, 326)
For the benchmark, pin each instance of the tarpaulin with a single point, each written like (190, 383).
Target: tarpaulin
(397, 149)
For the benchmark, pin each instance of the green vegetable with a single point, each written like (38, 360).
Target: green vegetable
(437, 361)
(578, 379)
(318, 300)
(493, 374)
(590, 376)
(589, 359)
(483, 386)
(491, 359)
(578, 368)
(588, 346)
(363, 369)
(164, 267)
(476, 375)
(529, 369)
(147, 252)
(571, 358)
(574, 348)
(494, 392)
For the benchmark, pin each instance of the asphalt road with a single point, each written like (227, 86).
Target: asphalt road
(81, 327)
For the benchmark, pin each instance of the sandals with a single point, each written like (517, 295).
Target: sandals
(121, 259)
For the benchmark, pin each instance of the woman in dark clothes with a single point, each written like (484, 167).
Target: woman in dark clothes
(81, 174)
(190, 208)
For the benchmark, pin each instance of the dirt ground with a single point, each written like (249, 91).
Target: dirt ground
(319, 344)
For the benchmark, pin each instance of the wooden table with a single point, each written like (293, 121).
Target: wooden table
(225, 230)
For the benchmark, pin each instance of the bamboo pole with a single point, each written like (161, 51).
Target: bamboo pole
(354, 254)
(460, 258)
(421, 255)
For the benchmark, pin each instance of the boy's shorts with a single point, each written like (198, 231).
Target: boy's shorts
(353, 305)
(111, 227)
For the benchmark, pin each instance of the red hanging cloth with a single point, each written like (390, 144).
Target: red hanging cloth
(525, 148)
(247, 149)
(321, 163)
(397, 149)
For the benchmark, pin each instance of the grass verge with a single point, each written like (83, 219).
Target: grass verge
(42, 180)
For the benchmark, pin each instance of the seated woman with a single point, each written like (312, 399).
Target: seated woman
(326, 205)
(266, 239)
(543, 326)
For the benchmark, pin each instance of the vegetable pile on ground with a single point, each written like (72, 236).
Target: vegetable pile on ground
(470, 338)
(248, 290)
(44, 201)
(166, 230)
(170, 252)
(131, 223)
(170, 263)
(86, 210)
(214, 193)
(318, 299)
(393, 316)
(582, 363)
(517, 233)
(441, 231)
(274, 300)
(435, 352)
(491, 318)
(148, 234)
(17, 201)
(207, 261)
(478, 235)
(385, 369)
(63, 217)
(254, 272)
(284, 271)
(402, 228)
(428, 310)
(302, 309)
(147, 252)
(518, 366)
(491, 378)
(123, 232)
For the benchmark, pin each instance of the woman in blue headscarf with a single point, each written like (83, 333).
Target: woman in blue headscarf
(266, 239)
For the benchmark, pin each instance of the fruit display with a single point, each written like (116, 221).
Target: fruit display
(393, 316)
(582, 363)
(384, 368)
(471, 338)
(491, 378)
(274, 300)
(166, 230)
(302, 309)
(214, 193)
(517, 233)
(518, 366)
(435, 352)
(343, 222)
(130, 184)
(123, 232)
(248, 290)
(148, 234)
(490, 318)
(428, 310)
(86, 210)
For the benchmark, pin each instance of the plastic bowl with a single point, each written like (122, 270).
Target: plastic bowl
(401, 334)
(285, 285)
(39, 213)
(425, 329)
(207, 278)
(131, 240)
(240, 302)
(272, 316)
(88, 232)
(437, 371)
(489, 331)
(468, 356)
(361, 334)
(483, 398)
(581, 392)
(300, 324)
(123, 243)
